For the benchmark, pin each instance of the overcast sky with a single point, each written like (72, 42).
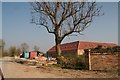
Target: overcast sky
(16, 27)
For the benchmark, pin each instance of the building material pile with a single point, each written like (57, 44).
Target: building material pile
(33, 58)
(41, 58)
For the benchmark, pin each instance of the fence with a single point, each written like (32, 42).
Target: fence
(104, 61)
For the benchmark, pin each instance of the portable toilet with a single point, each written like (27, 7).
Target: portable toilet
(33, 55)
(26, 55)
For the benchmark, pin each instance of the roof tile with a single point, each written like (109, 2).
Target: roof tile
(81, 45)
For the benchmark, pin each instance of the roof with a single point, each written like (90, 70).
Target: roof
(87, 45)
(66, 46)
(81, 45)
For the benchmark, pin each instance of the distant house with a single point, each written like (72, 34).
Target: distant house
(77, 48)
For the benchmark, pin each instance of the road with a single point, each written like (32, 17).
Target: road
(16, 70)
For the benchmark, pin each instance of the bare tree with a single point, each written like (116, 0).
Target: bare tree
(24, 47)
(18, 51)
(64, 18)
(12, 51)
(36, 48)
(2, 44)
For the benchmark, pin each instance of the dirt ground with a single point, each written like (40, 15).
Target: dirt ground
(15, 70)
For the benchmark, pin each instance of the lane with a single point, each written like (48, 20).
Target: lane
(15, 70)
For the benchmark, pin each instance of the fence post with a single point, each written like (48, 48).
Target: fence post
(89, 58)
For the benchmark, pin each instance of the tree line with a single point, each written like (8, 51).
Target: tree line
(15, 51)
(100, 49)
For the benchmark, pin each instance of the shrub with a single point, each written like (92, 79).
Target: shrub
(5, 54)
(73, 62)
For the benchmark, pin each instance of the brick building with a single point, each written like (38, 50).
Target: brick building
(77, 48)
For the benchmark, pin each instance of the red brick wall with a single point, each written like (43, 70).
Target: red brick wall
(64, 53)
(104, 61)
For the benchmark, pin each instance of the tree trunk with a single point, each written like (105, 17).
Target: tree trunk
(58, 50)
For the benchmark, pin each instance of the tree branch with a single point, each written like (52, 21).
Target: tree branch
(47, 28)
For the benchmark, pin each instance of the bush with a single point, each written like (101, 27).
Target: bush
(59, 60)
(73, 62)
(111, 50)
(5, 54)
